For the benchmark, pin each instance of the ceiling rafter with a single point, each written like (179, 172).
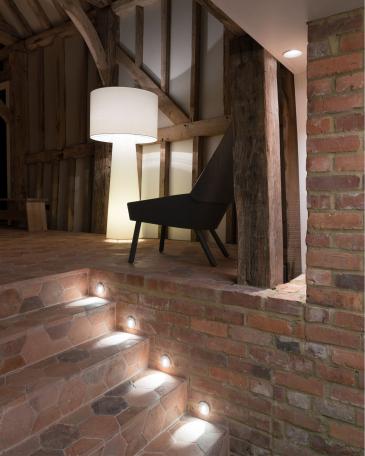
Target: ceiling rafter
(122, 6)
(87, 30)
(40, 14)
(99, 3)
(27, 30)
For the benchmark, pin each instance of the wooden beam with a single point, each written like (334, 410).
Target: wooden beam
(165, 44)
(139, 36)
(222, 17)
(231, 217)
(40, 14)
(290, 174)
(120, 7)
(165, 103)
(187, 130)
(25, 27)
(165, 156)
(256, 154)
(19, 133)
(8, 35)
(84, 25)
(99, 3)
(5, 112)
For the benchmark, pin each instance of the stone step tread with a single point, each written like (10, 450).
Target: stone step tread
(190, 436)
(41, 394)
(36, 335)
(121, 422)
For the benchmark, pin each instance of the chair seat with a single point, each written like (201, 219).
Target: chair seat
(179, 211)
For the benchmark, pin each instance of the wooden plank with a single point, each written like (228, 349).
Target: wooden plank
(290, 174)
(84, 25)
(165, 160)
(231, 217)
(187, 130)
(257, 180)
(165, 103)
(71, 175)
(36, 216)
(40, 14)
(25, 27)
(19, 134)
(51, 95)
(36, 100)
(222, 17)
(165, 44)
(54, 194)
(120, 7)
(138, 59)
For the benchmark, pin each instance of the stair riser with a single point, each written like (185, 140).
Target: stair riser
(105, 435)
(27, 295)
(48, 404)
(40, 342)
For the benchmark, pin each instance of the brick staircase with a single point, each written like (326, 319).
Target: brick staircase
(72, 385)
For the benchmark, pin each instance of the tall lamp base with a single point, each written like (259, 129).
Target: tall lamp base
(123, 189)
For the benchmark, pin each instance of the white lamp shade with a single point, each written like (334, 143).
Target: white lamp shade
(123, 113)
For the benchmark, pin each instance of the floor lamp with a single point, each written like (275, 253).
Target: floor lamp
(125, 117)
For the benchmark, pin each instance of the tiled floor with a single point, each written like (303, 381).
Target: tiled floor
(24, 255)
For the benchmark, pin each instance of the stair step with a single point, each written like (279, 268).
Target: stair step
(39, 395)
(190, 436)
(120, 423)
(30, 337)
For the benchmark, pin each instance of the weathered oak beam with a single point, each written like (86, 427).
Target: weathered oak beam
(26, 29)
(99, 3)
(165, 103)
(165, 44)
(187, 130)
(256, 158)
(222, 17)
(8, 35)
(84, 25)
(40, 14)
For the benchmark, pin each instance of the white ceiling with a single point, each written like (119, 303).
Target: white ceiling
(279, 25)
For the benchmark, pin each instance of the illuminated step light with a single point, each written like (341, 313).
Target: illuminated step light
(204, 408)
(100, 288)
(165, 361)
(131, 322)
(292, 54)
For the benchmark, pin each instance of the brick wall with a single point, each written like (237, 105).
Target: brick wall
(335, 165)
(285, 376)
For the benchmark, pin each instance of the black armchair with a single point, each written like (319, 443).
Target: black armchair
(201, 209)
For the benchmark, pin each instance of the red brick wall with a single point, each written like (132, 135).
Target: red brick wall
(335, 165)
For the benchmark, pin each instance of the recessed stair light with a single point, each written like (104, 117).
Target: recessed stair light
(165, 361)
(204, 408)
(292, 53)
(100, 288)
(131, 322)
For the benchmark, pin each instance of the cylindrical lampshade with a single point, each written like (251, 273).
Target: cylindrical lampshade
(123, 112)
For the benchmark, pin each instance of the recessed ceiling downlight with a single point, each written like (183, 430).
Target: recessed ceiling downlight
(292, 54)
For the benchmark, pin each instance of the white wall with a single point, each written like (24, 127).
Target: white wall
(301, 107)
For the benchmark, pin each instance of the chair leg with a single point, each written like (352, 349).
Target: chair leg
(133, 250)
(205, 247)
(162, 238)
(219, 243)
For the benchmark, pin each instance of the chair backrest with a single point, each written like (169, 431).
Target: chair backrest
(215, 183)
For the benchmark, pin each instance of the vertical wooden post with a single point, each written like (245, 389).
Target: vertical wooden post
(165, 147)
(231, 218)
(18, 63)
(290, 174)
(256, 155)
(107, 26)
(197, 162)
(139, 33)
(61, 94)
